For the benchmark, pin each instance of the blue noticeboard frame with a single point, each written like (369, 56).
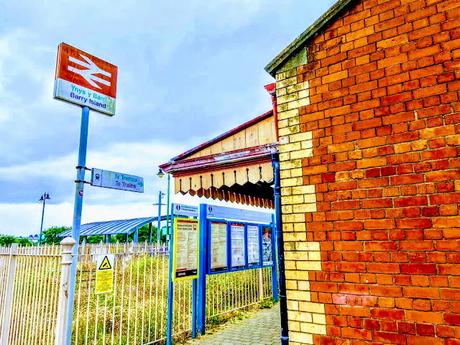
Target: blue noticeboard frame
(229, 267)
(229, 216)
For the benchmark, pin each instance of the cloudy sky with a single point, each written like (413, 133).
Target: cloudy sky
(187, 71)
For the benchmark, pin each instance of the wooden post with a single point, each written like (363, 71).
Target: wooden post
(8, 307)
(61, 326)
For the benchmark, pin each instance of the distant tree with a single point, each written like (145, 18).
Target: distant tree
(51, 235)
(23, 242)
(7, 240)
(143, 235)
(95, 239)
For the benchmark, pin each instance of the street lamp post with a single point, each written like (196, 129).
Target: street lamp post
(160, 196)
(45, 196)
(161, 174)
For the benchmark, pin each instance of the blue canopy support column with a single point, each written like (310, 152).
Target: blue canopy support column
(275, 261)
(279, 237)
(202, 278)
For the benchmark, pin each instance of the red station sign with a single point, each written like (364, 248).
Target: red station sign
(85, 79)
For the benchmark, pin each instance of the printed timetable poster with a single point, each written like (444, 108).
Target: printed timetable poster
(253, 246)
(267, 247)
(238, 248)
(218, 246)
(186, 248)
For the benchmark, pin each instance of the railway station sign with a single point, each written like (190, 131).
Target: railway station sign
(104, 273)
(85, 80)
(116, 180)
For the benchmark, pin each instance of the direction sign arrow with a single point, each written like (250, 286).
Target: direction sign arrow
(116, 180)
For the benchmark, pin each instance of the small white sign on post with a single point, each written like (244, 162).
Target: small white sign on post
(116, 180)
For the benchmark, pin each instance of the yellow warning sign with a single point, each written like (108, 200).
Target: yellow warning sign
(105, 264)
(104, 273)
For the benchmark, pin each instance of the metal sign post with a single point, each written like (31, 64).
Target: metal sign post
(90, 82)
(79, 190)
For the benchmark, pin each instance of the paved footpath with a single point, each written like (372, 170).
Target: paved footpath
(261, 328)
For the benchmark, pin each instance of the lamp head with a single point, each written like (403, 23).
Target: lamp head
(160, 173)
(44, 196)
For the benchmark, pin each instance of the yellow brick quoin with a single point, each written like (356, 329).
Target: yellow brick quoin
(306, 318)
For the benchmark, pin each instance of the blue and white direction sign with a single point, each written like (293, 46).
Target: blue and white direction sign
(116, 180)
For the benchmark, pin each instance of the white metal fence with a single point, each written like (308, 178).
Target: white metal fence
(236, 290)
(29, 290)
(136, 311)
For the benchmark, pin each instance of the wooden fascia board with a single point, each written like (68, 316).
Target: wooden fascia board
(241, 157)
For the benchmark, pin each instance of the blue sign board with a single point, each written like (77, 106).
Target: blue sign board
(238, 245)
(116, 180)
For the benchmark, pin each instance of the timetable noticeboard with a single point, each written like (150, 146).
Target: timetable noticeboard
(253, 245)
(186, 248)
(218, 246)
(237, 246)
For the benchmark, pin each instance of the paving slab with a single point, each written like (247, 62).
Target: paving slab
(261, 328)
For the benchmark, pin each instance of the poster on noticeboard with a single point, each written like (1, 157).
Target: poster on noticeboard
(238, 249)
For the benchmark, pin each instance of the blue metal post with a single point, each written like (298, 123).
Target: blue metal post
(194, 291)
(40, 239)
(160, 195)
(279, 237)
(201, 312)
(78, 205)
(136, 236)
(168, 200)
(275, 261)
(170, 285)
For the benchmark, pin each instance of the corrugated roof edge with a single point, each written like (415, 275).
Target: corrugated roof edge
(305, 36)
(110, 227)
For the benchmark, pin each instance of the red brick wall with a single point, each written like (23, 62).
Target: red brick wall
(384, 85)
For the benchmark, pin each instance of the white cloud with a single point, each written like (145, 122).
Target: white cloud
(141, 158)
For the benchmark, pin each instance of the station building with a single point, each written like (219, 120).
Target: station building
(368, 114)
(366, 122)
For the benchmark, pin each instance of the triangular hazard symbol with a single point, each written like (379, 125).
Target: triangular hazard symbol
(105, 264)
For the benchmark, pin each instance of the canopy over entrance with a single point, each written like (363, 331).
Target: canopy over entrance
(235, 166)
